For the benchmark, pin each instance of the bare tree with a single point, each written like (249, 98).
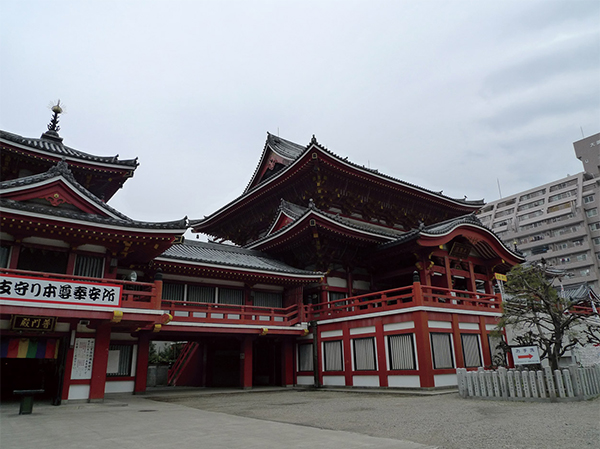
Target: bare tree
(543, 316)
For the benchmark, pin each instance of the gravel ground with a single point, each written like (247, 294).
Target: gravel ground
(445, 420)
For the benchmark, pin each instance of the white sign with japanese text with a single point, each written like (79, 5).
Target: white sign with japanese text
(83, 358)
(58, 291)
(525, 355)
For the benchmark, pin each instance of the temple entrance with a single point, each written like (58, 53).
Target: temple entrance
(266, 362)
(223, 362)
(32, 364)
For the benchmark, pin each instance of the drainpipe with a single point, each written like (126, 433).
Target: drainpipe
(313, 325)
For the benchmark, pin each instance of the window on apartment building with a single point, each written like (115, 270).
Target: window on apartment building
(560, 246)
(485, 209)
(585, 272)
(530, 215)
(401, 349)
(588, 199)
(591, 212)
(173, 292)
(89, 266)
(471, 350)
(506, 203)
(499, 224)
(528, 196)
(119, 360)
(201, 293)
(563, 185)
(441, 348)
(231, 296)
(596, 240)
(4, 256)
(581, 257)
(305, 357)
(332, 353)
(598, 256)
(268, 299)
(560, 196)
(504, 213)
(595, 227)
(364, 354)
(530, 205)
(559, 207)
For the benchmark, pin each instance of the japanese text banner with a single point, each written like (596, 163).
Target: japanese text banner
(57, 291)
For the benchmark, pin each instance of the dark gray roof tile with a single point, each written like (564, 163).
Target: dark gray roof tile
(231, 256)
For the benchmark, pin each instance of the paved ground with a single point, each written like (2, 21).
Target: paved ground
(301, 419)
(438, 420)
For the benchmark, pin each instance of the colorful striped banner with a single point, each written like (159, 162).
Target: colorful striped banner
(29, 348)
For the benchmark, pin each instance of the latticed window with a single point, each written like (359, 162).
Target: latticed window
(441, 347)
(197, 293)
(173, 292)
(89, 266)
(402, 352)
(364, 354)
(268, 299)
(471, 350)
(231, 296)
(119, 360)
(332, 352)
(305, 357)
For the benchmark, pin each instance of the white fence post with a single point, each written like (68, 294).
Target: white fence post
(503, 381)
(496, 383)
(576, 380)
(470, 384)
(559, 383)
(518, 384)
(566, 374)
(550, 383)
(488, 384)
(541, 383)
(511, 384)
(525, 379)
(532, 384)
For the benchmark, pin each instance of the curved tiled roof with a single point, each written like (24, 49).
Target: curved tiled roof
(51, 211)
(54, 146)
(232, 256)
(296, 211)
(62, 170)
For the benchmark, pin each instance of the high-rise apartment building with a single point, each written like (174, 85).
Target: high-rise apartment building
(558, 221)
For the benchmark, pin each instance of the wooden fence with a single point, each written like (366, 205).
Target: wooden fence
(572, 384)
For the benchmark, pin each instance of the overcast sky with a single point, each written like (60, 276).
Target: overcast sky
(448, 95)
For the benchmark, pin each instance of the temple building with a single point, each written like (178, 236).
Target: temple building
(322, 272)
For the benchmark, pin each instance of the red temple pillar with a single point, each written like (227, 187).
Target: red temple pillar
(14, 256)
(141, 369)
(485, 344)
(424, 350)
(458, 352)
(246, 365)
(287, 365)
(381, 357)
(100, 362)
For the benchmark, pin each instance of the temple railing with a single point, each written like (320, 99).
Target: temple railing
(138, 295)
(401, 298)
(239, 314)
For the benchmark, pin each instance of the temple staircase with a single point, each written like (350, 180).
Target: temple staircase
(183, 359)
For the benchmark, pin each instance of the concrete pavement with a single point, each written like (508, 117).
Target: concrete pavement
(136, 422)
